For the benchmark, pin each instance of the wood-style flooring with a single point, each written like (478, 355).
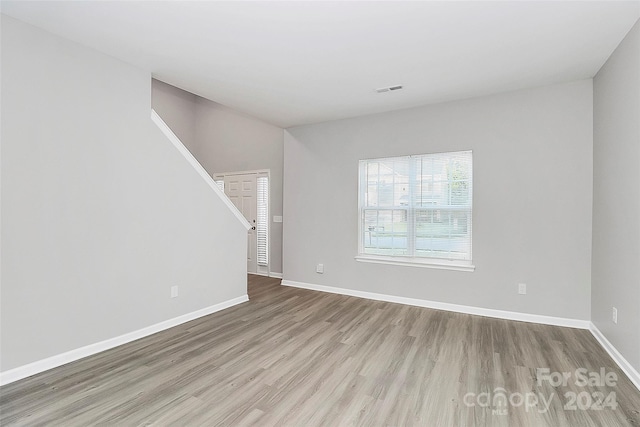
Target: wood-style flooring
(294, 357)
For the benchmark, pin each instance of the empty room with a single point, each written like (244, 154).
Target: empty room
(320, 213)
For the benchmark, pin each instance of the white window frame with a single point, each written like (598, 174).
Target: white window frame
(412, 261)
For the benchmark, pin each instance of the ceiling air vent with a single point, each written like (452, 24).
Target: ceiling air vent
(389, 88)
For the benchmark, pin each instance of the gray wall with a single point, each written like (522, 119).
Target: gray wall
(532, 154)
(178, 109)
(616, 198)
(228, 141)
(224, 140)
(101, 215)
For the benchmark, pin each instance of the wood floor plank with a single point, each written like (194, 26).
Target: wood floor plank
(292, 357)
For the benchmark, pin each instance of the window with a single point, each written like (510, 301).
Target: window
(262, 224)
(417, 210)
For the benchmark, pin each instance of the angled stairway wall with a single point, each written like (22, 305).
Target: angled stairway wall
(101, 214)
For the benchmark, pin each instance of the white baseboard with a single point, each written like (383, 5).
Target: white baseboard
(478, 311)
(626, 367)
(623, 363)
(82, 352)
(271, 274)
(259, 274)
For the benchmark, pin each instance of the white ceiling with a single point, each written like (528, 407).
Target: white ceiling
(291, 63)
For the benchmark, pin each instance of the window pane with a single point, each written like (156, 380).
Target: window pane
(386, 183)
(460, 181)
(443, 233)
(422, 205)
(385, 232)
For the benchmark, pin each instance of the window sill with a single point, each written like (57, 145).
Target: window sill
(413, 262)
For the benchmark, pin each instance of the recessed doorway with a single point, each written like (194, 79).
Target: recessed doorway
(249, 192)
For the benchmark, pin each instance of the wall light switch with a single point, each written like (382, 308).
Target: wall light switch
(615, 315)
(174, 291)
(522, 288)
(320, 268)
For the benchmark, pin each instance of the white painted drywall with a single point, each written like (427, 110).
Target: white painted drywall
(532, 153)
(101, 214)
(616, 198)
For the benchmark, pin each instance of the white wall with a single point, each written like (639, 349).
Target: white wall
(100, 213)
(532, 154)
(616, 198)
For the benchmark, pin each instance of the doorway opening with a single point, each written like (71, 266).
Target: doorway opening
(249, 191)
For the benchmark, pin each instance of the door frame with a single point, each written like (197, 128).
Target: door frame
(261, 270)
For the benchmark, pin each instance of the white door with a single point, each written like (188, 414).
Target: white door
(241, 190)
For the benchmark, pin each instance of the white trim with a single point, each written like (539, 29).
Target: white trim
(417, 262)
(626, 367)
(79, 353)
(623, 363)
(258, 274)
(271, 274)
(252, 172)
(478, 311)
(197, 166)
(258, 173)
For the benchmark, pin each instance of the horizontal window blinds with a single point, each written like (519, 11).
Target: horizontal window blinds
(262, 224)
(417, 206)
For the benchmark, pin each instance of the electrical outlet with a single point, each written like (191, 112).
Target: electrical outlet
(522, 288)
(320, 268)
(615, 315)
(174, 292)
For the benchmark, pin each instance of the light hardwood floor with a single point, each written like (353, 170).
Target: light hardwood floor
(302, 358)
